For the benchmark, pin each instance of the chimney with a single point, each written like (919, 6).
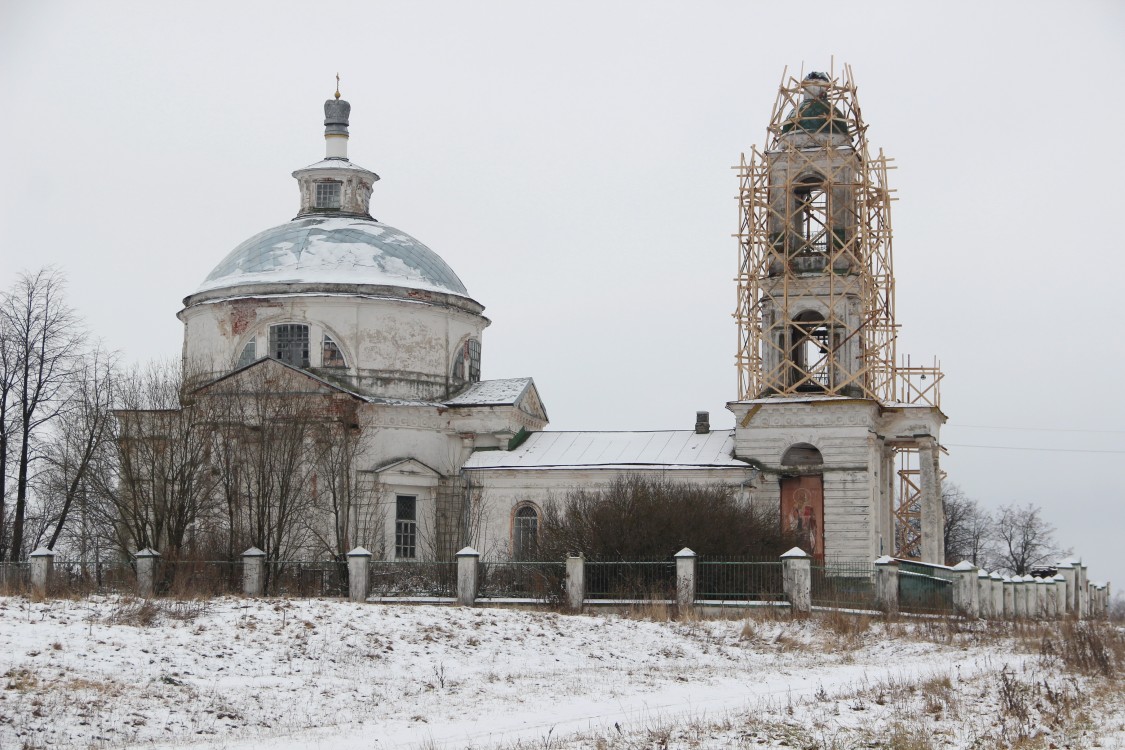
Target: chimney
(702, 422)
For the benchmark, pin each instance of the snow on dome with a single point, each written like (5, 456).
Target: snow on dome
(335, 250)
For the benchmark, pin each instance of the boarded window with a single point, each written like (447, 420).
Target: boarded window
(289, 342)
(406, 527)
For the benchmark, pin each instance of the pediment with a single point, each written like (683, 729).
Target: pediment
(271, 376)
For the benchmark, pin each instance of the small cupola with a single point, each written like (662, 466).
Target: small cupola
(335, 186)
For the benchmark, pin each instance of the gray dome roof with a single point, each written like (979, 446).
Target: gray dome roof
(335, 250)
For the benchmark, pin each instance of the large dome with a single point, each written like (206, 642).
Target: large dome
(334, 250)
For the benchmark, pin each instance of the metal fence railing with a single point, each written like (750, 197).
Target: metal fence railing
(847, 585)
(15, 578)
(408, 578)
(540, 581)
(306, 578)
(653, 580)
(195, 578)
(731, 580)
(79, 577)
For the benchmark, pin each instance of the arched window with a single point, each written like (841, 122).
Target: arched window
(525, 533)
(249, 353)
(467, 361)
(289, 342)
(330, 354)
(810, 345)
(810, 216)
(802, 454)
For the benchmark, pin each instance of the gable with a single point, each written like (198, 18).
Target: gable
(271, 376)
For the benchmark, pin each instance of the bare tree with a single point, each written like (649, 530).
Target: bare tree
(969, 528)
(43, 334)
(162, 490)
(1024, 538)
(346, 513)
(81, 443)
(268, 428)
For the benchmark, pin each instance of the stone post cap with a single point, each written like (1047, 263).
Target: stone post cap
(964, 565)
(146, 552)
(42, 552)
(1058, 577)
(796, 552)
(1041, 580)
(996, 576)
(982, 573)
(1008, 579)
(573, 556)
(685, 552)
(1070, 562)
(468, 552)
(253, 552)
(359, 552)
(886, 560)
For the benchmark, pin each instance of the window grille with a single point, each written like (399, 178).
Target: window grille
(406, 526)
(467, 360)
(327, 195)
(289, 342)
(525, 534)
(330, 354)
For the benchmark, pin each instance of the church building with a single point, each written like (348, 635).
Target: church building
(831, 430)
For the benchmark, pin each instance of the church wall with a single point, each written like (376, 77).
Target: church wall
(843, 433)
(501, 490)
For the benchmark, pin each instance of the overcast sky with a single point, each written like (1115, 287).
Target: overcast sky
(571, 162)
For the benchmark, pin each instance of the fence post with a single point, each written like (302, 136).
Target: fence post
(1066, 570)
(1023, 600)
(685, 578)
(359, 560)
(467, 561)
(575, 582)
(984, 593)
(997, 595)
(1083, 591)
(253, 572)
(886, 584)
(796, 579)
(1009, 598)
(42, 563)
(965, 600)
(146, 572)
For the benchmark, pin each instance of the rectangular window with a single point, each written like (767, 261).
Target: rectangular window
(406, 527)
(327, 195)
(289, 342)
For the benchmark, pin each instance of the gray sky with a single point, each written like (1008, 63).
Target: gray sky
(572, 163)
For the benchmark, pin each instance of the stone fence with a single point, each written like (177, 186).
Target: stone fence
(795, 580)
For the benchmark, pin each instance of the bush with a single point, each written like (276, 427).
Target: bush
(638, 518)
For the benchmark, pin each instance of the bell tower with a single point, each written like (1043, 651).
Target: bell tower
(848, 432)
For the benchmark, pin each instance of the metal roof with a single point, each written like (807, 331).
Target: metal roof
(667, 448)
(335, 250)
(492, 392)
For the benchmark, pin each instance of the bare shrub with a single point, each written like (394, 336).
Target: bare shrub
(1087, 647)
(639, 518)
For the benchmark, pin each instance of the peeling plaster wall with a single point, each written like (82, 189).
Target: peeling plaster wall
(394, 348)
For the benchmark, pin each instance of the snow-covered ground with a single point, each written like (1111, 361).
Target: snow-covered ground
(304, 674)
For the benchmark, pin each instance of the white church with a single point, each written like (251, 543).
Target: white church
(831, 431)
